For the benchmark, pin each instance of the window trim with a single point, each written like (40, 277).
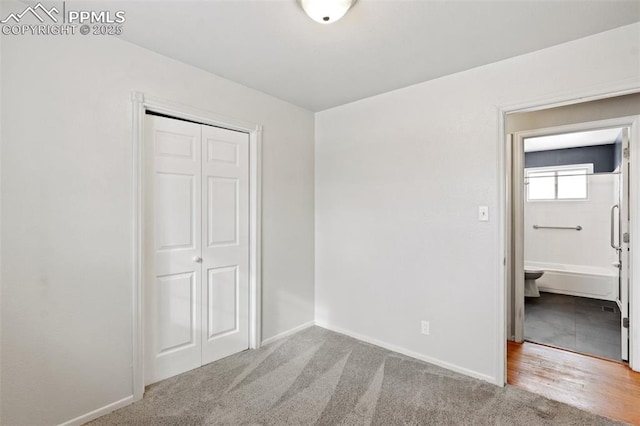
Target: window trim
(587, 166)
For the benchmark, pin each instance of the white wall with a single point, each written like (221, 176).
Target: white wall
(1, 143)
(67, 271)
(591, 246)
(399, 178)
(586, 255)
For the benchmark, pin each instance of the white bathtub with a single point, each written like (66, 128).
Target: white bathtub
(577, 280)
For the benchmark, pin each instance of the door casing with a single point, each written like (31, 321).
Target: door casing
(141, 104)
(516, 254)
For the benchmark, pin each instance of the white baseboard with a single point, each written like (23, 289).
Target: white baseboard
(99, 412)
(412, 354)
(288, 333)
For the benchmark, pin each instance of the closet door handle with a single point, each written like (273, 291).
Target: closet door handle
(197, 259)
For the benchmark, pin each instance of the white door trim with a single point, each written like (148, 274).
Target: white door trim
(141, 104)
(590, 94)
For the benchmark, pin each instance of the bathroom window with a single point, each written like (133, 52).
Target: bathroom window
(558, 183)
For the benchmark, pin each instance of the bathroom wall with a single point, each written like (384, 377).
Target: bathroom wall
(603, 157)
(617, 146)
(586, 251)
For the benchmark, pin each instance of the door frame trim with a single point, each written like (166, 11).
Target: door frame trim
(142, 103)
(555, 100)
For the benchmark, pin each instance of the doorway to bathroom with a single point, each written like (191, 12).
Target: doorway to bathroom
(575, 222)
(571, 238)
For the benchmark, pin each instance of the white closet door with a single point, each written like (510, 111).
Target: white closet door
(173, 230)
(225, 237)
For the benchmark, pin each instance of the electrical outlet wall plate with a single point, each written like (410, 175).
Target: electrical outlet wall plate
(424, 327)
(483, 213)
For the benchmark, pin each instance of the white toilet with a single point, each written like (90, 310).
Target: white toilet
(530, 286)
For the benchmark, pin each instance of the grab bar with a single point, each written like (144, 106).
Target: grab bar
(576, 228)
(612, 235)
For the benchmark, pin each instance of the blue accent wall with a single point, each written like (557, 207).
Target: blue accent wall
(603, 157)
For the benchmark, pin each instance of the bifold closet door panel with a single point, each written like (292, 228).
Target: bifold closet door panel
(173, 232)
(225, 238)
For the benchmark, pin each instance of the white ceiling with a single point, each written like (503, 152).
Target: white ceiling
(272, 46)
(571, 140)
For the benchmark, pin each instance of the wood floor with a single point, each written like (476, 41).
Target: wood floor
(597, 385)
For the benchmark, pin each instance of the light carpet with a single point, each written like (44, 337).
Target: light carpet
(318, 377)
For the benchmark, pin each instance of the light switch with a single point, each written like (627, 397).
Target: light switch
(483, 213)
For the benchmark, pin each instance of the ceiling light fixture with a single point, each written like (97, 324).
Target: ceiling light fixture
(326, 11)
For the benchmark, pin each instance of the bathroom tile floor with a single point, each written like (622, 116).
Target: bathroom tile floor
(580, 324)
